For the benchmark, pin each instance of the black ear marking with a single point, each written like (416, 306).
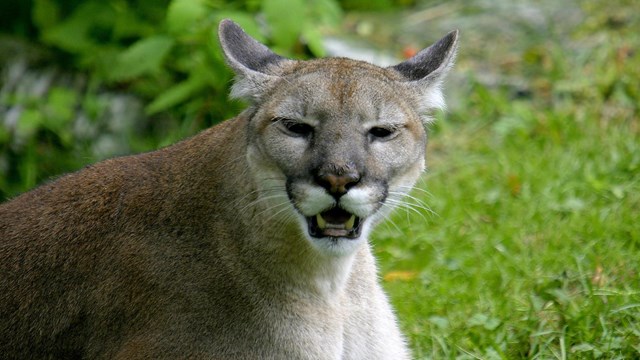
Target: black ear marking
(242, 51)
(432, 62)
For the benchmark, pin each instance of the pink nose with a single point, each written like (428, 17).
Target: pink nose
(338, 184)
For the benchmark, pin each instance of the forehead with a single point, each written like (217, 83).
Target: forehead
(346, 86)
(341, 77)
(341, 66)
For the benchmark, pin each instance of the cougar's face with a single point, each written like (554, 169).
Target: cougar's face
(343, 142)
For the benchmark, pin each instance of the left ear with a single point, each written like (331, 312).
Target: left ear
(426, 70)
(256, 67)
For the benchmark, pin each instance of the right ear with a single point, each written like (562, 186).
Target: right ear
(425, 71)
(256, 67)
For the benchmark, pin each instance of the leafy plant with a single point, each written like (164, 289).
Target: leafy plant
(165, 52)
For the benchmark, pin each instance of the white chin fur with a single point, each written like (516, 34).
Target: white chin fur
(337, 246)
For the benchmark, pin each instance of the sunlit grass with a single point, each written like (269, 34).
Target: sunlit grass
(534, 248)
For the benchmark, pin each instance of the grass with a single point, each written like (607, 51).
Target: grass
(530, 245)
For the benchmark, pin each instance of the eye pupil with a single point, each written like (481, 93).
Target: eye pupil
(294, 127)
(299, 128)
(380, 132)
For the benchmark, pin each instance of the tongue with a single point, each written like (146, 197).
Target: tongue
(336, 216)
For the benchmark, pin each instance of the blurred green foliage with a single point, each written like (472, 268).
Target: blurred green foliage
(164, 52)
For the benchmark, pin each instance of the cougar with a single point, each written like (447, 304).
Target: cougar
(246, 241)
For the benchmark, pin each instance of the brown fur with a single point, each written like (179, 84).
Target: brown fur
(97, 253)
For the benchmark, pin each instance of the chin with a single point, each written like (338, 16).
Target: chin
(337, 246)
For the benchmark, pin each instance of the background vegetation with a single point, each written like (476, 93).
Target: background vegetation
(523, 241)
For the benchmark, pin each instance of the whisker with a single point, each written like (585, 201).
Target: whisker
(280, 221)
(262, 199)
(273, 189)
(271, 208)
(388, 221)
(416, 203)
(415, 188)
(407, 207)
(284, 221)
(275, 215)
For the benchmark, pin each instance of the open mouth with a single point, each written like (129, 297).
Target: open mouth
(335, 222)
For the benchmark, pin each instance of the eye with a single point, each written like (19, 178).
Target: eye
(295, 128)
(299, 128)
(381, 133)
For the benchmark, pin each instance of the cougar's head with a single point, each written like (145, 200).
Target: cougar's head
(335, 143)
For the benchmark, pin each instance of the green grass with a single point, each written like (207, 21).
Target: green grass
(531, 246)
